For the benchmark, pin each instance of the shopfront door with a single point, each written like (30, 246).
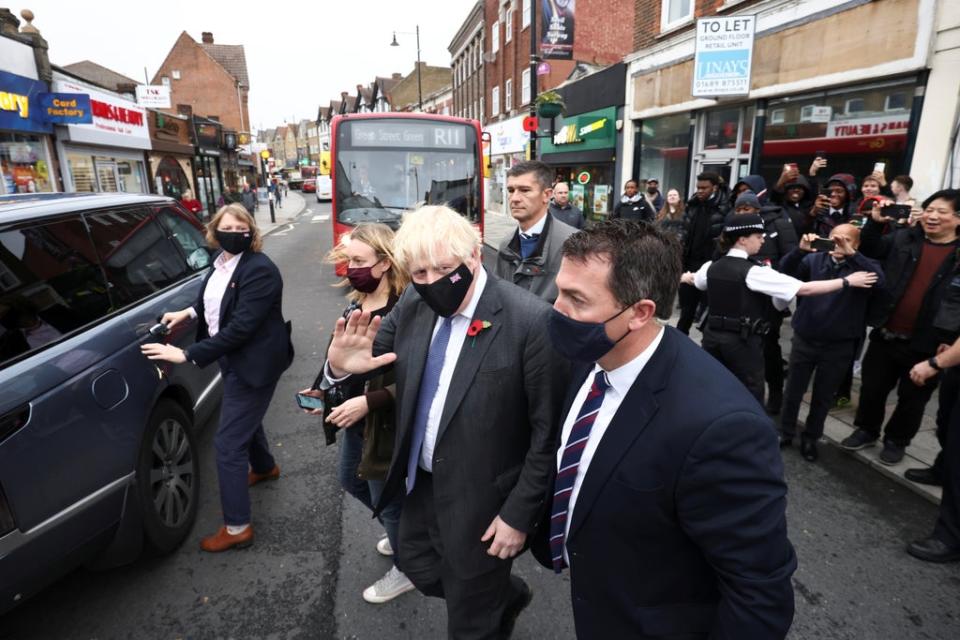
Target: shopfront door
(208, 182)
(108, 178)
(723, 143)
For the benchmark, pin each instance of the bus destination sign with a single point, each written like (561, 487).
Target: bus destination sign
(408, 135)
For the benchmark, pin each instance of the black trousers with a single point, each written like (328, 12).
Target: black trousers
(947, 528)
(475, 606)
(690, 298)
(949, 392)
(826, 363)
(773, 353)
(886, 365)
(743, 357)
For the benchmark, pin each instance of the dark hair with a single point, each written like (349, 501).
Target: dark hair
(905, 180)
(629, 181)
(714, 178)
(544, 174)
(644, 261)
(950, 195)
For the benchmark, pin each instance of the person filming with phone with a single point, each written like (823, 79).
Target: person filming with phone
(913, 316)
(827, 330)
(240, 327)
(362, 408)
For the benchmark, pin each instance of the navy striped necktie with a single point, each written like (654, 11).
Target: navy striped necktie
(570, 464)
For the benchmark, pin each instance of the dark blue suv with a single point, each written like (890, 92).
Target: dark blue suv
(97, 449)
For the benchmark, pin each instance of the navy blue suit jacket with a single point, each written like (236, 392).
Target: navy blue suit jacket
(679, 528)
(253, 338)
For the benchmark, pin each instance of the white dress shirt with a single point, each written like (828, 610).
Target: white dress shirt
(216, 288)
(620, 381)
(766, 280)
(536, 229)
(458, 334)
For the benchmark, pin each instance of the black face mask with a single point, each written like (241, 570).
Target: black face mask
(234, 241)
(446, 294)
(581, 341)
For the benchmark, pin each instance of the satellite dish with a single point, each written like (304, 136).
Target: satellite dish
(489, 56)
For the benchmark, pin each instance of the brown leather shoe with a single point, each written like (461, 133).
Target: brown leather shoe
(221, 540)
(254, 478)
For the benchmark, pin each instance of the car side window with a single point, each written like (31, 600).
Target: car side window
(187, 236)
(50, 285)
(136, 255)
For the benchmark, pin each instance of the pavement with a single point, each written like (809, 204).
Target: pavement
(293, 204)
(839, 424)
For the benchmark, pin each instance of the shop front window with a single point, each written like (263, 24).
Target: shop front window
(722, 128)
(23, 164)
(664, 144)
(82, 172)
(591, 188)
(173, 180)
(852, 128)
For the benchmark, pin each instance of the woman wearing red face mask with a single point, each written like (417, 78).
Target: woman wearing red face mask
(362, 409)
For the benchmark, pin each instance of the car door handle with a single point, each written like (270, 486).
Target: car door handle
(13, 421)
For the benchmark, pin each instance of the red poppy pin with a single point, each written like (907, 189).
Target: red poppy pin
(476, 327)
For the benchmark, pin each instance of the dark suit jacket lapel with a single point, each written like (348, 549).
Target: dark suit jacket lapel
(414, 359)
(632, 417)
(472, 352)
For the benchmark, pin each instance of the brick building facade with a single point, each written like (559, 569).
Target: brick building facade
(603, 36)
(207, 79)
(466, 60)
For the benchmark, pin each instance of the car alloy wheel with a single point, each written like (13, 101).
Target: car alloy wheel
(172, 474)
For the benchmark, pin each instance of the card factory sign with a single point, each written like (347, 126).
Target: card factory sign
(723, 58)
(116, 121)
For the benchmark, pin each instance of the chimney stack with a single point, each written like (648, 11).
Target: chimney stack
(207, 37)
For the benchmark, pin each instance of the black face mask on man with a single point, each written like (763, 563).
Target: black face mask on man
(446, 294)
(581, 341)
(234, 241)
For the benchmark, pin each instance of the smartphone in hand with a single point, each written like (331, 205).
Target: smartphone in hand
(896, 211)
(309, 402)
(823, 244)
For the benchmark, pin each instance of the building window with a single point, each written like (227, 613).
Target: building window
(778, 116)
(165, 81)
(495, 36)
(176, 74)
(525, 15)
(896, 102)
(508, 96)
(495, 101)
(854, 105)
(508, 26)
(525, 87)
(674, 13)
(481, 109)
(663, 150)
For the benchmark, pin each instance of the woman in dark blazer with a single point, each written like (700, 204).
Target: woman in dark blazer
(240, 326)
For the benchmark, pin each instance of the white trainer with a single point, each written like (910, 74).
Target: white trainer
(391, 585)
(384, 548)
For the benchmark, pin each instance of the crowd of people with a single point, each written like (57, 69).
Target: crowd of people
(483, 412)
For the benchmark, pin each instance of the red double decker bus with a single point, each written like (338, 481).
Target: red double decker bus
(385, 164)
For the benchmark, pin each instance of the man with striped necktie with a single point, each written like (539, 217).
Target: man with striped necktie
(668, 505)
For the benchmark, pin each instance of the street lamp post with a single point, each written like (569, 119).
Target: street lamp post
(419, 83)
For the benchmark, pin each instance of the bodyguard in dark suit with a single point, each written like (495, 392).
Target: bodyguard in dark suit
(669, 500)
(478, 396)
(240, 326)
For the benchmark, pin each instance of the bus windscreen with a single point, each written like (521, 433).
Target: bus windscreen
(385, 167)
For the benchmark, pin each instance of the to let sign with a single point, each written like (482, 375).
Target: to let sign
(724, 55)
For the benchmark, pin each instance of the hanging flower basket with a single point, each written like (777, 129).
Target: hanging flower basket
(550, 109)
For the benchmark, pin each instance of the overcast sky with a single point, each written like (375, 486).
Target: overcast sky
(299, 55)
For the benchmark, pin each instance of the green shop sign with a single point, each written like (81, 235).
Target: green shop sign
(582, 132)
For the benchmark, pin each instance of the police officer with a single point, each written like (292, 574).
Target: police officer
(738, 292)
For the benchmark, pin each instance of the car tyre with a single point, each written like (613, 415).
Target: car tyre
(168, 478)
